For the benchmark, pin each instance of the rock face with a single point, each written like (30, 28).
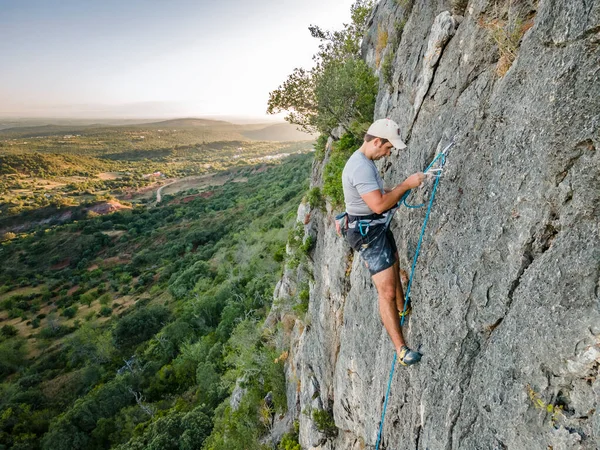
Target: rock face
(506, 292)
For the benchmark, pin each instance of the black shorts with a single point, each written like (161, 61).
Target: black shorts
(377, 249)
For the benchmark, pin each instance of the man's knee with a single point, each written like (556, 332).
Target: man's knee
(387, 293)
(385, 281)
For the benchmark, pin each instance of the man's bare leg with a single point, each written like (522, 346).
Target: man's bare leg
(389, 289)
(387, 282)
(399, 291)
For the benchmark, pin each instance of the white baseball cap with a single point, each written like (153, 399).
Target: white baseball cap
(387, 129)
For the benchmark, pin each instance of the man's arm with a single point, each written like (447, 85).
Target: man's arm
(379, 202)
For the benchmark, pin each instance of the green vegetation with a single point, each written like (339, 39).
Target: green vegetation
(252, 362)
(347, 92)
(332, 174)
(387, 66)
(340, 90)
(320, 147)
(506, 25)
(301, 308)
(324, 421)
(315, 198)
(555, 410)
(299, 246)
(131, 329)
(289, 441)
(382, 41)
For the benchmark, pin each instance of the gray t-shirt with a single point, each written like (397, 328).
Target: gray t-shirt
(359, 177)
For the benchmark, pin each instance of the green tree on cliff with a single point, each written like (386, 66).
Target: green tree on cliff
(339, 89)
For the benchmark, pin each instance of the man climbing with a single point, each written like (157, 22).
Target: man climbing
(368, 205)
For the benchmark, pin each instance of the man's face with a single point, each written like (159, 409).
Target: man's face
(381, 149)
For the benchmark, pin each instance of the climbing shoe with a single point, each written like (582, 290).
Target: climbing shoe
(408, 357)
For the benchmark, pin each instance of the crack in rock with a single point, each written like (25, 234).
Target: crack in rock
(526, 261)
(580, 149)
(543, 241)
(442, 30)
(583, 36)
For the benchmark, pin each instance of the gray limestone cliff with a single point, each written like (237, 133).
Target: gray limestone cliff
(505, 298)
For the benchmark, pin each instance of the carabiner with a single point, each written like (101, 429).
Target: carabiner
(363, 233)
(448, 147)
(435, 172)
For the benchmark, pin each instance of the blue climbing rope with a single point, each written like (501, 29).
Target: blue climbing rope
(387, 395)
(414, 264)
(442, 157)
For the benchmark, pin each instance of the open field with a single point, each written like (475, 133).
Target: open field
(56, 167)
(111, 175)
(199, 183)
(21, 291)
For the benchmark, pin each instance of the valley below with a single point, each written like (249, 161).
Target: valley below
(135, 275)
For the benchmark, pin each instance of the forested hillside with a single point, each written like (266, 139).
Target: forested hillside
(130, 329)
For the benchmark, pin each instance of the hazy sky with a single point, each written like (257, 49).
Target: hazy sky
(154, 58)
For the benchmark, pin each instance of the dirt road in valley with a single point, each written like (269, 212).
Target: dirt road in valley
(159, 192)
(195, 182)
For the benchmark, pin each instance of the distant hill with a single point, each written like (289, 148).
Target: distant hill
(278, 132)
(210, 129)
(190, 122)
(33, 128)
(7, 123)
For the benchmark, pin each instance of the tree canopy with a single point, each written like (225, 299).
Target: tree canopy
(339, 89)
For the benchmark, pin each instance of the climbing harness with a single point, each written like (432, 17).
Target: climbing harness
(437, 174)
(364, 223)
(341, 224)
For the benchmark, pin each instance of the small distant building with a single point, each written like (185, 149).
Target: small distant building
(154, 174)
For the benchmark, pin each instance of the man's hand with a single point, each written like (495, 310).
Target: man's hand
(380, 203)
(414, 180)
